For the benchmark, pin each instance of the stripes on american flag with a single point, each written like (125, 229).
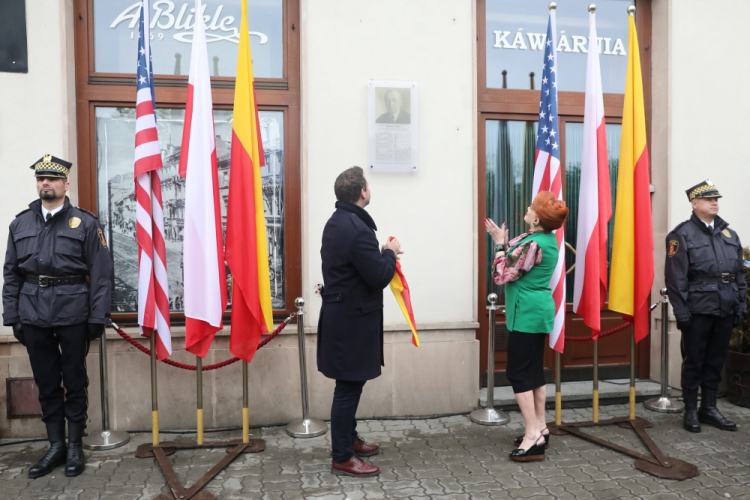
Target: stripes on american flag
(547, 172)
(153, 289)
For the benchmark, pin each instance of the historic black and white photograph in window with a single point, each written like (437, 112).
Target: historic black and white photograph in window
(115, 128)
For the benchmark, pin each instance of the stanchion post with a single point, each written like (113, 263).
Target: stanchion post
(199, 402)
(488, 415)
(558, 390)
(107, 439)
(664, 403)
(631, 413)
(305, 427)
(595, 395)
(245, 406)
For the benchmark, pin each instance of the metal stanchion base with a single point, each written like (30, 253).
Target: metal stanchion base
(106, 440)
(664, 405)
(306, 428)
(489, 416)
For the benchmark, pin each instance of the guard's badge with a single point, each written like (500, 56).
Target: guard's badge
(74, 222)
(726, 233)
(673, 246)
(101, 237)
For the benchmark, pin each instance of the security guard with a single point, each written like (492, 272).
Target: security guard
(56, 296)
(707, 288)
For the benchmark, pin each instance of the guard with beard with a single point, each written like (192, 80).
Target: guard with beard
(56, 296)
(707, 289)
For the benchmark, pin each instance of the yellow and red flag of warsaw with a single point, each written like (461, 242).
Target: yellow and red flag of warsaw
(632, 273)
(246, 242)
(400, 289)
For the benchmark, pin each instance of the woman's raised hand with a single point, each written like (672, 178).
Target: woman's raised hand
(499, 234)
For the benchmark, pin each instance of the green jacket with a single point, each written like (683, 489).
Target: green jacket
(529, 306)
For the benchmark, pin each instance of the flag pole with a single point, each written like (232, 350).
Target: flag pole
(595, 416)
(632, 375)
(199, 405)
(558, 390)
(245, 406)
(154, 395)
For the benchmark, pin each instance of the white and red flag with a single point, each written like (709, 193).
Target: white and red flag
(203, 248)
(153, 289)
(595, 199)
(547, 172)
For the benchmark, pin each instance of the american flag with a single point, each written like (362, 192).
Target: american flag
(153, 289)
(547, 172)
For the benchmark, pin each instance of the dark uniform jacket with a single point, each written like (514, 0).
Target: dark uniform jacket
(696, 260)
(71, 243)
(350, 327)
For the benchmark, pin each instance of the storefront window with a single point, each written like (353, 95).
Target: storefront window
(511, 150)
(516, 32)
(116, 202)
(172, 21)
(573, 154)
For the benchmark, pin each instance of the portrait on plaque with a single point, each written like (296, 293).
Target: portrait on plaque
(392, 125)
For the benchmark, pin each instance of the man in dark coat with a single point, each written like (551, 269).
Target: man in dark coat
(706, 285)
(350, 328)
(56, 296)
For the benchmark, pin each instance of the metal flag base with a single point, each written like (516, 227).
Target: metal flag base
(306, 428)
(106, 440)
(664, 405)
(195, 492)
(489, 416)
(658, 465)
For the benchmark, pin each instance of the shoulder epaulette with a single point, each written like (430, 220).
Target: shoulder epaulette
(678, 226)
(22, 212)
(87, 212)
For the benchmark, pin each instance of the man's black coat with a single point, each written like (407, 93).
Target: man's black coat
(350, 327)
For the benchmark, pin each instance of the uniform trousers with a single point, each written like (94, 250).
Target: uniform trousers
(704, 348)
(343, 418)
(58, 358)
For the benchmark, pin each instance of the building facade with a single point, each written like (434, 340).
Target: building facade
(474, 117)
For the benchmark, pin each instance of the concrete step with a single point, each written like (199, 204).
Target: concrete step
(578, 394)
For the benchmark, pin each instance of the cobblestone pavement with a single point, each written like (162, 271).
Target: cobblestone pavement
(440, 458)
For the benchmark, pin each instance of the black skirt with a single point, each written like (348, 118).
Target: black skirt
(525, 368)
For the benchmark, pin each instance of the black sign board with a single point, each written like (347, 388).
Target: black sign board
(14, 56)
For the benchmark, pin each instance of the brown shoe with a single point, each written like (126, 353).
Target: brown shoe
(355, 467)
(363, 449)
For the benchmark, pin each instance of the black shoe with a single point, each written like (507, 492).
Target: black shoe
(56, 454)
(517, 441)
(536, 452)
(690, 419)
(75, 462)
(709, 414)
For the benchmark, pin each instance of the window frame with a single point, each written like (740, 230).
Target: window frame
(515, 104)
(111, 90)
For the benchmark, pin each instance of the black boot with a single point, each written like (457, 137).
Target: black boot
(76, 462)
(56, 454)
(711, 415)
(690, 419)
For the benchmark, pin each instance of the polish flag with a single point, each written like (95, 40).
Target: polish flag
(595, 199)
(203, 249)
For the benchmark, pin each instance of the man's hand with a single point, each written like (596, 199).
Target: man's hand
(393, 244)
(683, 324)
(18, 332)
(738, 319)
(95, 331)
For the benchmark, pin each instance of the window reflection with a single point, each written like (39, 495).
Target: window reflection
(115, 143)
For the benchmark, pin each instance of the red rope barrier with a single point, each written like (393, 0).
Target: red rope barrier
(215, 366)
(608, 332)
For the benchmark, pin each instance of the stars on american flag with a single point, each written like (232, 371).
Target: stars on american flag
(547, 129)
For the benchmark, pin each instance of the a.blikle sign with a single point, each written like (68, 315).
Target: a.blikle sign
(172, 23)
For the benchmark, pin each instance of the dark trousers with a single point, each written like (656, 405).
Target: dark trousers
(704, 349)
(343, 421)
(58, 358)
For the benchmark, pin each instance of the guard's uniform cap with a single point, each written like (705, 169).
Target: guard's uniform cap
(51, 166)
(705, 189)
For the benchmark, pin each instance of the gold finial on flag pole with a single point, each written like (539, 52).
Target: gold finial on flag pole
(592, 8)
(631, 10)
(552, 5)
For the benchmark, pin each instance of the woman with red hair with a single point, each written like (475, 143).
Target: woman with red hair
(526, 270)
